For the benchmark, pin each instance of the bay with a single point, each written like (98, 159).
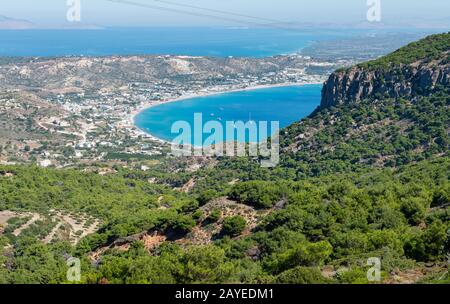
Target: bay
(285, 105)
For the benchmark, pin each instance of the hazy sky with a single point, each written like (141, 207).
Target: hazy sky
(107, 13)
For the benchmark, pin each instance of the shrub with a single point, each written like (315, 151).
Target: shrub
(233, 226)
(441, 196)
(306, 254)
(183, 223)
(414, 210)
(197, 215)
(257, 193)
(190, 206)
(301, 275)
(206, 196)
(206, 264)
(215, 215)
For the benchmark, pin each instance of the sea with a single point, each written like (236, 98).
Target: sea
(282, 104)
(202, 41)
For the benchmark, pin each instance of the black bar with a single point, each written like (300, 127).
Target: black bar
(308, 294)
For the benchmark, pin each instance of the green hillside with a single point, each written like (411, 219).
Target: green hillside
(356, 181)
(431, 48)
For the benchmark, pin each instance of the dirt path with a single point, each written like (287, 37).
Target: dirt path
(187, 187)
(74, 238)
(79, 135)
(151, 241)
(35, 217)
(52, 234)
(6, 215)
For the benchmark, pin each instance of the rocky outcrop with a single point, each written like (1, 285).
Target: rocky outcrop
(360, 83)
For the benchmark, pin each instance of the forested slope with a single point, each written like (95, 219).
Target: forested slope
(359, 178)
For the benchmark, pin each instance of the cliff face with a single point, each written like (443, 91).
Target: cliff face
(359, 83)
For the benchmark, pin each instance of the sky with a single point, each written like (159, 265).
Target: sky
(108, 13)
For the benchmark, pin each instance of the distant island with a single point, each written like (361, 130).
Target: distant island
(15, 24)
(7, 23)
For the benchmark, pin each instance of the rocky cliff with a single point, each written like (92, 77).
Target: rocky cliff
(386, 79)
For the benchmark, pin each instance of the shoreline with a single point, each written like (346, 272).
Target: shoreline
(132, 116)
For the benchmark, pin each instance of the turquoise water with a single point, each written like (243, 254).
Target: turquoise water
(176, 41)
(284, 104)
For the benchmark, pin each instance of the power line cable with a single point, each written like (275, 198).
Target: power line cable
(219, 11)
(191, 13)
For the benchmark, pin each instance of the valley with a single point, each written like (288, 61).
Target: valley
(365, 176)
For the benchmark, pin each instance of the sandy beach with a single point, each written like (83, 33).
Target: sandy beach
(131, 118)
(205, 94)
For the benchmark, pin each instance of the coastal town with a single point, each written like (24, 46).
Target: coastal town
(89, 124)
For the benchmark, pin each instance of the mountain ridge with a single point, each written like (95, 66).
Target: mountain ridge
(417, 69)
(383, 113)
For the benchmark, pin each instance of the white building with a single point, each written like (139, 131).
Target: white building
(45, 163)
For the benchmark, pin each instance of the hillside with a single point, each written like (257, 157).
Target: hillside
(364, 176)
(369, 117)
(321, 230)
(75, 74)
(376, 116)
(432, 48)
(418, 69)
(53, 107)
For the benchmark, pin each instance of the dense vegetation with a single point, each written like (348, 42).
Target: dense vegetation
(355, 181)
(373, 133)
(347, 138)
(339, 220)
(431, 48)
